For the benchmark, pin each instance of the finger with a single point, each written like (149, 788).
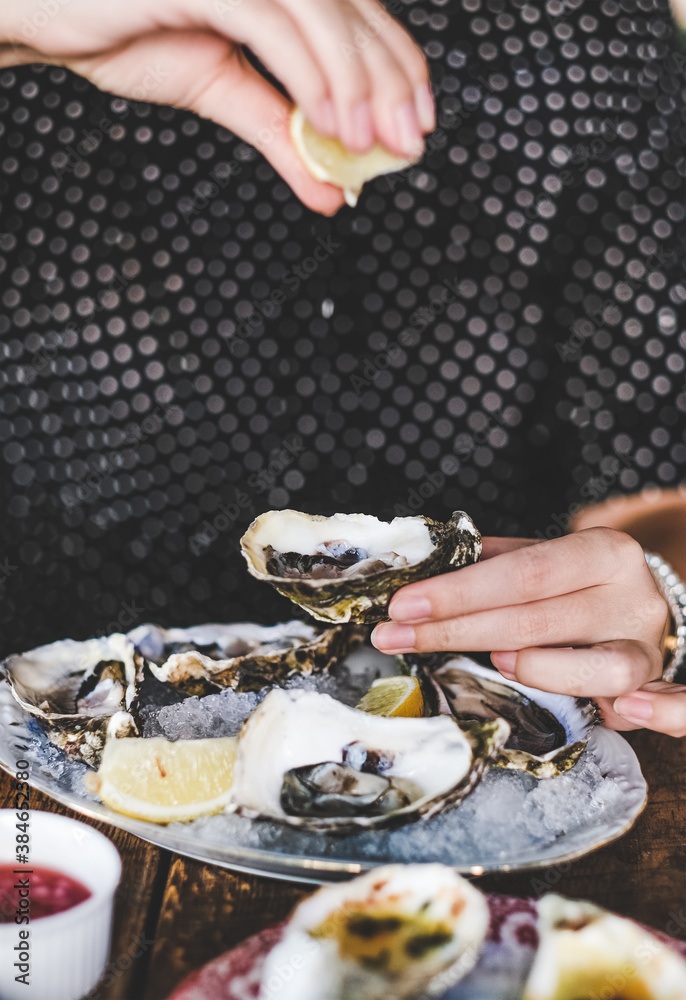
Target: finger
(519, 576)
(597, 614)
(251, 108)
(277, 39)
(392, 100)
(401, 95)
(329, 27)
(603, 670)
(610, 718)
(658, 706)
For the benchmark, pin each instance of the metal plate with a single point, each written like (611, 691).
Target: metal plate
(327, 858)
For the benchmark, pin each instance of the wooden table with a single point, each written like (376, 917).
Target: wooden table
(174, 914)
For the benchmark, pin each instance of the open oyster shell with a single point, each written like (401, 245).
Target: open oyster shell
(305, 759)
(400, 931)
(80, 692)
(587, 952)
(346, 568)
(243, 656)
(548, 732)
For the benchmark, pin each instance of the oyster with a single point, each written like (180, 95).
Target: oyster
(80, 692)
(548, 732)
(397, 932)
(305, 759)
(346, 568)
(586, 952)
(243, 656)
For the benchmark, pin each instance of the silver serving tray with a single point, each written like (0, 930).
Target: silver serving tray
(234, 843)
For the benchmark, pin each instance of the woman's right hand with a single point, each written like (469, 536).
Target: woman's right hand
(355, 71)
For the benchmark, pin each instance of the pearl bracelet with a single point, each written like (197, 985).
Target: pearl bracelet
(674, 592)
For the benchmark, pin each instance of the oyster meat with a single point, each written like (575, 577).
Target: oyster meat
(399, 931)
(80, 692)
(548, 732)
(305, 759)
(586, 952)
(346, 568)
(244, 656)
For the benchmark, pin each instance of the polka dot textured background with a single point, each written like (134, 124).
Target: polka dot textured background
(500, 329)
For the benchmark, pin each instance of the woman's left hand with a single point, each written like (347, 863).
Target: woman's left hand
(580, 615)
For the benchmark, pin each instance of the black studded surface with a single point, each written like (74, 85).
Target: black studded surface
(501, 329)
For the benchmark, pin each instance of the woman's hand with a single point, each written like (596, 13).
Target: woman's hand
(356, 72)
(580, 615)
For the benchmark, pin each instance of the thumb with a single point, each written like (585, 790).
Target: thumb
(659, 706)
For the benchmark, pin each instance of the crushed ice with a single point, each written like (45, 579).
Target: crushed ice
(224, 713)
(510, 814)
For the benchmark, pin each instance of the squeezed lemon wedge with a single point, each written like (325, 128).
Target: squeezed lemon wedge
(164, 782)
(329, 160)
(394, 696)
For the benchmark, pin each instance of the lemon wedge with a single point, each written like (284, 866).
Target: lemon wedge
(329, 160)
(164, 782)
(394, 696)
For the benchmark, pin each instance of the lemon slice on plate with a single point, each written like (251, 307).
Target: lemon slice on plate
(165, 782)
(329, 160)
(394, 696)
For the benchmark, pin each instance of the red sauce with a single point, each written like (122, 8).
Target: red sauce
(49, 891)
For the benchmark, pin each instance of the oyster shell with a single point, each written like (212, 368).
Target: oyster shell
(346, 568)
(80, 692)
(399, 931)
(305, 759)
(548, 732)
(243, 656)
(586, 952)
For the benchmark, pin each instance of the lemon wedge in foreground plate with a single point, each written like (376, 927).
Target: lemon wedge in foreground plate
(394, 696)
(329, 160)
(165, 782)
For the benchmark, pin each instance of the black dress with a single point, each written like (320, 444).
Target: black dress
(501, 329)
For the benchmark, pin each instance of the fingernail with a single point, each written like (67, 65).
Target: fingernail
(505, 663)
(363, 128)
(409, 133)
(426, 109)
(393, 638)
(410, 609)
(326, 121)
(634, 707)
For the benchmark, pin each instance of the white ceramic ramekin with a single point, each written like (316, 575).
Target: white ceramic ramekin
(67, 951)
